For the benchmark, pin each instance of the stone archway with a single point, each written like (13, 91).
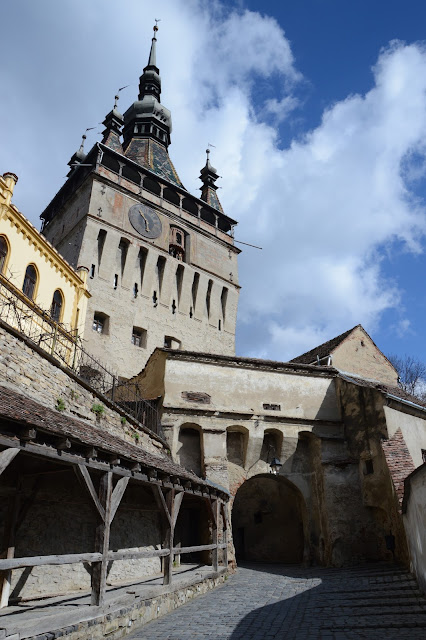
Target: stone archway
(267, 521)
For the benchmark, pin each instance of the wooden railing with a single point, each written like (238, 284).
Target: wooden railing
(105, 503)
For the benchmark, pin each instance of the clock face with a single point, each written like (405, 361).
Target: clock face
(145, 221)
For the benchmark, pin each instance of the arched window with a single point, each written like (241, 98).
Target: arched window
(30, 281)
(4, 250)
(57, 304)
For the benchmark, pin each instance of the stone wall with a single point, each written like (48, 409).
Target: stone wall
(60, 519)
(59, 516)
(35, 374)
(178, 310)
(415, 522)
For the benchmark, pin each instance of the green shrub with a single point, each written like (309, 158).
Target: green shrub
(99, 409)
(60, 404)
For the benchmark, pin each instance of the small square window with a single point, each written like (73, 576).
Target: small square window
(171, 343)
(139, 337)
(100, 323)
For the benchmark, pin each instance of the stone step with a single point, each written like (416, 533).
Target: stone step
(368, 602)
(405, 620)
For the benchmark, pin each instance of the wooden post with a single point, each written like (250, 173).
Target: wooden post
(6, 458)
(169, 508)
(9, 546)
(99, 569)
(215, 533)
(224, 508)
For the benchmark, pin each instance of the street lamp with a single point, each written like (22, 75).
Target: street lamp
(275, 465)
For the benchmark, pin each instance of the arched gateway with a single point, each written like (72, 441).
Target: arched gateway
(267, 520)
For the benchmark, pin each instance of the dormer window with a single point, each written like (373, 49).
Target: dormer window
(177, 243)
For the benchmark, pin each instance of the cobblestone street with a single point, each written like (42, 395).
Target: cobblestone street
(277, 601)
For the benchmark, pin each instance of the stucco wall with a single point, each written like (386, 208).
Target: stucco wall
(358, 354)
(413, 430)
(27, 246)
(415, 524)
(245, 390)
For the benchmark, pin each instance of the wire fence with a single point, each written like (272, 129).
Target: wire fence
(35, 323)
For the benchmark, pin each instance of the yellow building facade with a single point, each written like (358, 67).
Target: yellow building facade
(34, 275)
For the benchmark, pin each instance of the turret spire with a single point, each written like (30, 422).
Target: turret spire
(113, 124)
(79, 156)
(208, 176)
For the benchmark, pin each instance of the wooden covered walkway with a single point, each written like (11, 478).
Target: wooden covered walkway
(105, 466)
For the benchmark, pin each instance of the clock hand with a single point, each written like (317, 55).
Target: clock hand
(146, 222)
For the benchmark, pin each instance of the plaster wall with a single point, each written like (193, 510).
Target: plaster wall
(27, 246)
(358, 354)
(246, 390)
(413, 430)
(415, 525)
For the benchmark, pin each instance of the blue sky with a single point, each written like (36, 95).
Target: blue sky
(318, 118)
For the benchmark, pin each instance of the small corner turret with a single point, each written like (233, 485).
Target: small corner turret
(208, 177)
(113, 124)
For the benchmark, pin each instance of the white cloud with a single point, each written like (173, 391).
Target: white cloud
(325, 210)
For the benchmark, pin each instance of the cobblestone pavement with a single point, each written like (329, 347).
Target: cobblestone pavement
(263, 602)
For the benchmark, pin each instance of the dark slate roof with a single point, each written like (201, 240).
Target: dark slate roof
(28, 412)
(323, 350)
(153, 156)
(212, 199)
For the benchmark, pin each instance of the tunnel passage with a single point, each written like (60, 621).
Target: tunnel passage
(267, 521)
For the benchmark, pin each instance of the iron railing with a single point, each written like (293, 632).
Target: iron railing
(37, 325)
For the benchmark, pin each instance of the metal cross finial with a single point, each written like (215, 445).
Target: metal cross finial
(157, 20)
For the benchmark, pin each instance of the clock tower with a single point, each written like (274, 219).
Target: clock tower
(162, 262)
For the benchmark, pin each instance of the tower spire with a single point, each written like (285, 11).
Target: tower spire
(147, 118)
(150, 81)
(152, 61)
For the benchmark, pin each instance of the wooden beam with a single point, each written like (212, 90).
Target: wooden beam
(28, 434)
(63, 444)
(84, 475)
(168, 539)
(178, 503)
(159, 498)
(99, 569)
(9, 544)
(134, 555)
(37, 561)
(72, 558)
(6, 457)
(117, 495)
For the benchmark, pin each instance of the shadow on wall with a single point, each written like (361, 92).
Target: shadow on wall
(268, 521)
